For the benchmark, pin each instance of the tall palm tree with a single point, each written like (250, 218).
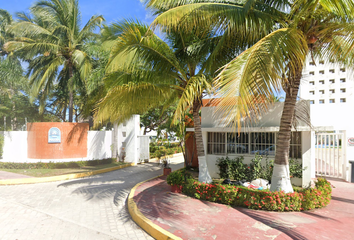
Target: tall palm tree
(297, 30)
(145, 72)
(52, 41)
(5, 21)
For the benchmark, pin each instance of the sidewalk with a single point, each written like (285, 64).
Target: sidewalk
(10, 175)
(190, 218)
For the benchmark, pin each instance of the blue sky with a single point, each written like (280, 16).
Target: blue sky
(112, 10)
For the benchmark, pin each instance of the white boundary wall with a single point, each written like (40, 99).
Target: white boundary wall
(15, 146)
(99, 145)
(123, 140)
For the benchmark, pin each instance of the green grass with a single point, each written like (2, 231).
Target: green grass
(57, 172)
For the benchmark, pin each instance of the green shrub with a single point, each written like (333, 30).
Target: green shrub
(303, 199)
(162, 148)
(237, 170)
(178, 177)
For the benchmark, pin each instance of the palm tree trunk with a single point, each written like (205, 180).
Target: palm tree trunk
(281, 173)
(71, 96)
(204, 175)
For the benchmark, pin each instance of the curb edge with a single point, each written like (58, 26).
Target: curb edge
(151, 228)
(61, 177)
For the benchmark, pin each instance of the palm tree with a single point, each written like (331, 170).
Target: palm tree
(145, 72)
(297, 30)
(52, 41)
(5, 21)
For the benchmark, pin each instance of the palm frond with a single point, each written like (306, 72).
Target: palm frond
(246, 84)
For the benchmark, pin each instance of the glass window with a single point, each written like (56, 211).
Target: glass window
(322, 91)
(321, 81)
(332, 90)
(263, 143)
(321, 72)
(332, 101)
(342, 69)
(342, 90)
(312, 73)
(342, 80)
(331, 70)
(332, 81)
(322, 101)
(342, 100)
(312, 101)
(237, 143)
(312, 92)
(312, 83)
(216, 143)
(124, 134)
(295, 145)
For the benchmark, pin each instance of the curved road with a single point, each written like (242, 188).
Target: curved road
(86, 208)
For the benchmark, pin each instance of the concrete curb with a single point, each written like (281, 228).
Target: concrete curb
(61, 177)
(154, 230)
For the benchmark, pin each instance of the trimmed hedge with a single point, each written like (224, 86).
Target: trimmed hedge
(57, 165)
(300, 200)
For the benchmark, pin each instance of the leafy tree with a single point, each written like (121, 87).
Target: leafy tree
(144, 72)
(51, 40)
(296, 30)
(158, 119)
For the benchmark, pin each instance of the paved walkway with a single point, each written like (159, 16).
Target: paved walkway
(10, 175)
(89, 208)
(189, 218)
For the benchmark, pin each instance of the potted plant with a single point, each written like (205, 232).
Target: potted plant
(166, 167)
(176, 179)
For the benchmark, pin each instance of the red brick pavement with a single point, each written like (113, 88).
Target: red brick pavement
(190, 218)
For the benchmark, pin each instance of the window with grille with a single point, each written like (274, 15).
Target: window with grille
(237, 143)
(216, 143)
(295, 145)
(263, 143)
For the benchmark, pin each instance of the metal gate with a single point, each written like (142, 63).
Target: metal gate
(144, 148)
(330, 155)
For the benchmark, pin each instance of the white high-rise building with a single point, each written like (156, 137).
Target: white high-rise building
(326, 83)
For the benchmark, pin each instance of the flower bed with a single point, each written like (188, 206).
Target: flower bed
(300, 200)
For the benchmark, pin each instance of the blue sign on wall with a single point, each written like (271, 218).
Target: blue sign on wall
(54, 135)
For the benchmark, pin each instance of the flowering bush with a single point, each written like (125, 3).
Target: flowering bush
(178, 177)
(303, 199)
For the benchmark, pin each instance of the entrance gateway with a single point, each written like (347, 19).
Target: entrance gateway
(330, 155)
